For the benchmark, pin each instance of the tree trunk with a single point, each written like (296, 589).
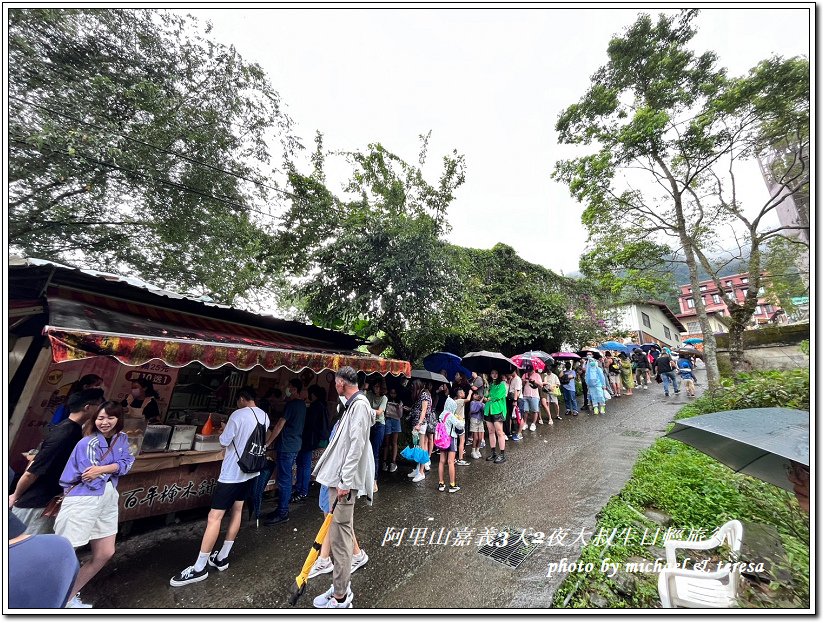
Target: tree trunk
(710, 355)
(736, 337)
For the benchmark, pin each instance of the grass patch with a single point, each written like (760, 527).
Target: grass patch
(699, 494)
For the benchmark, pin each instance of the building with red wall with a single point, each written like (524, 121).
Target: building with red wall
(765, 312)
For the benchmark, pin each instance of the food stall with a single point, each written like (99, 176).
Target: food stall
(66, 323)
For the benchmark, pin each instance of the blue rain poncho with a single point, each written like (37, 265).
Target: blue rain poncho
(595, 383)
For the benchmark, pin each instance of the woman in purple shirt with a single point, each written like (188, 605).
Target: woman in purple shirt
(90, 507)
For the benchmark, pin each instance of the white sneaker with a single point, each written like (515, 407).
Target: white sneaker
(427, 465)
(506, 437)
(483, 444)
(477, 454)
(75, 602)
(358, 562)
(327, 600)
(413, 473)
(419, 477)
(532, 427)
(393, 467)
(321, 566)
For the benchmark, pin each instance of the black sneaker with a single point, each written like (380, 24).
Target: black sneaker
(677, 391)
(297, 499)
(220, 565)
(500, 459)
(559, 418)
(666, 394)
(274, 519)
(189, 576)
(441, 486)
(492, 457)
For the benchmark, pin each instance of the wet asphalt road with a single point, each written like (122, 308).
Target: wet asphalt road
(560, 476)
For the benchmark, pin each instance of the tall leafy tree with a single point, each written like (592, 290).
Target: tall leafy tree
(375, 264)
(138, 144)
(668, 130)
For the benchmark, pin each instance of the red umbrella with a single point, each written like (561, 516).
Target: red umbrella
(521, 361)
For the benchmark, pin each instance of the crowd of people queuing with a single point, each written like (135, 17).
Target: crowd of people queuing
(85, 452)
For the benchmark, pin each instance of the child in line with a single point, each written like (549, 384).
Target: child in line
(476, 424)
(685, 370)
(461, 400)
(453, 428)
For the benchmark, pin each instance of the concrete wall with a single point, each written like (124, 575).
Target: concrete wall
(770, 358)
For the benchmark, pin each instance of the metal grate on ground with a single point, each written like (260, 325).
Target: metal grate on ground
(516, 550)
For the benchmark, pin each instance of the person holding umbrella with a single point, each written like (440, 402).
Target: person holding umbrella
(494, 416)
(640, 364)
(568, 389)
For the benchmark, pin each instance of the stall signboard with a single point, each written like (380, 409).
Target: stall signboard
(164, 491)
(52, 392)
(163, 379)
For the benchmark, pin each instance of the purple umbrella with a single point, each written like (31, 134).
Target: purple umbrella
(565, 356)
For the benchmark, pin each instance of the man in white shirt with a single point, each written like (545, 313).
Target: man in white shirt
(233, 487)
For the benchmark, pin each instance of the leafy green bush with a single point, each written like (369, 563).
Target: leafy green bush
(805, 347)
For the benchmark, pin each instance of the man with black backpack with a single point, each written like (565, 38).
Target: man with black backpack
(244, 440)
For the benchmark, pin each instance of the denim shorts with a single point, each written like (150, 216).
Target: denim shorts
(392, 426)
(531, 403)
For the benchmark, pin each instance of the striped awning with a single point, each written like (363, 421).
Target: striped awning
(78, 330)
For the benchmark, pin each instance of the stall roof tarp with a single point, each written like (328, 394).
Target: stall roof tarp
(78, 331)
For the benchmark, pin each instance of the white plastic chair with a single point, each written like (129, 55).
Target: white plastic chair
(691, 588)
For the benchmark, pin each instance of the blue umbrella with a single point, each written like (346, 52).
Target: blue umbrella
(694, 340)
(631, 347)
(445, 361)
(613, 346)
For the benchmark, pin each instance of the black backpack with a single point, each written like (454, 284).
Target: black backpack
(615, 366)
(253, 459)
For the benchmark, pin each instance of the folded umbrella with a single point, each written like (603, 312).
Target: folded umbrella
(486, 361)
(442, 360)
(757, 442)
(314, 552)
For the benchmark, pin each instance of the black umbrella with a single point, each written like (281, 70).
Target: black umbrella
(692, 352)
(758, 442)
(486, 361)
(595, 352)
(429, 376)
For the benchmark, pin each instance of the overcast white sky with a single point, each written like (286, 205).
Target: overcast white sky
(487, 82)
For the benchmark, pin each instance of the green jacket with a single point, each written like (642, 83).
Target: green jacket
(496, 405)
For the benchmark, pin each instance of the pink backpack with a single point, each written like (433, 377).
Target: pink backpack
(442, 437)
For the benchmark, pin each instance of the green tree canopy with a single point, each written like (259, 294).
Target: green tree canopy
(138, 144)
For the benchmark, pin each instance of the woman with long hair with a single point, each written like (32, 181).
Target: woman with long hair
(494, 416)
(89, 511)
(420, 418)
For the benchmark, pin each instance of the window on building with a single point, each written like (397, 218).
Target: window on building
(694, 327)
(716, 299)
(689, 290)
(729, 284)
(645, 320)
(769, 309)
(667, 333)
(703, 288)
(761, 291)
(745, 280)
(757, 311)
(690, 303)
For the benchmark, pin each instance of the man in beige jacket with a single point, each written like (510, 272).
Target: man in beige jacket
(348, 469)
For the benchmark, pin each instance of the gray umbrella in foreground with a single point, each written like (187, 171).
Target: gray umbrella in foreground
(757, 442)
(429, 376)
